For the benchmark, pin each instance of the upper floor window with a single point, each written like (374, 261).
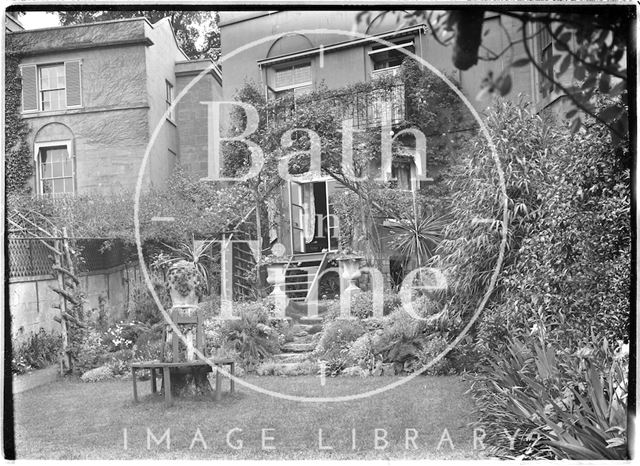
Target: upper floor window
(293, 79)
(54, 86)
(169, 100)
(387, 59)
(55, 171)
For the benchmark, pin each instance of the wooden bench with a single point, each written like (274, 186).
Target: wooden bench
(165, 367)
(165, 370)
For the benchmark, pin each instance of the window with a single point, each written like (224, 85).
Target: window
(55, 171)
(387, 59)
(293, 79)
(546, 51)
(50, 87)
(169, 99)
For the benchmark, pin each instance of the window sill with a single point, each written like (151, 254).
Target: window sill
(61, 111)
(78, 110)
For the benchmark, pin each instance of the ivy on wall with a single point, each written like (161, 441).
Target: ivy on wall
(18, 160)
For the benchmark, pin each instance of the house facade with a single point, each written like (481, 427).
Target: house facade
(295, 52)
(93, 94)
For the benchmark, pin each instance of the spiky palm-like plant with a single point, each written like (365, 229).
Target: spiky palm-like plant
(418, 237)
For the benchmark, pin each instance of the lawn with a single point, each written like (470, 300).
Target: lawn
(69, 419)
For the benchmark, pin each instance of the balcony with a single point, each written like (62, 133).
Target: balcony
(366, 109)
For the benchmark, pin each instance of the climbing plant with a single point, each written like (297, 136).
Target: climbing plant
(18, 162)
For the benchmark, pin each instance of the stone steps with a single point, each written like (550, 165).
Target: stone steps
(298, 347)
(290, 357)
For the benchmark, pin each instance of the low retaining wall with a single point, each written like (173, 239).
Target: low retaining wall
(31, 299)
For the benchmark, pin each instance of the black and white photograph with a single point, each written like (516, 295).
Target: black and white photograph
(319, 231)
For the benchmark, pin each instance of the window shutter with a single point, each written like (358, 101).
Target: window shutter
(284, 77)
(302, 74)
(29, 88)
(74, 89)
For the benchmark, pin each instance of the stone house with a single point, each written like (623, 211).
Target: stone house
(293, 52)
(93, 96)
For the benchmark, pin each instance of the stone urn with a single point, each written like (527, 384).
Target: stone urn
(350, 271)
(185, 284)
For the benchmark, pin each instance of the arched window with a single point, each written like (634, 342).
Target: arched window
(55, 171)
(54, 156)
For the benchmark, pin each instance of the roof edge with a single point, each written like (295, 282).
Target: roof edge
(51, 28)
(248, 17)
(339, 45)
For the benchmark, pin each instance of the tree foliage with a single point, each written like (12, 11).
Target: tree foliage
(200, 210)
(592, 52)
(430, 106)
(196, 31)
(568, 231)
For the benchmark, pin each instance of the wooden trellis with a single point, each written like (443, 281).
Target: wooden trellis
(33, 226)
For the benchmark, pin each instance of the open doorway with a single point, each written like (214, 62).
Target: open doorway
(313, 228)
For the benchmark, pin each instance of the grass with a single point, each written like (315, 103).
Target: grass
(69, 419)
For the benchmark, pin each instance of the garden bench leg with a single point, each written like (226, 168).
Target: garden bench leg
(218, 384)
(232, 387)
(166, 371)
(135, 386)
(154, 388)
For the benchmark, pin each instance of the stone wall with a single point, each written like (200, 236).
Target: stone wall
(160, 65)
(31, 299)
(192, 114)
(109, 133)
(78, 36)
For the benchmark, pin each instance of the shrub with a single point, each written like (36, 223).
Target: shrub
(291, 369)
(252, 336)
(123, 335)
(411, 343)
(568, 242)
(362, 354)
(210, 307)
(336, 337)
(431, 347)
(119, 361)
(142, 307)
(565, 277)
(90, 352)
(565, 405)
(362, 304)
(38, 351)
(333, 366)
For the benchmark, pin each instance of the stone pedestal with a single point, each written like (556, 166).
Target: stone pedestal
(276, 275)
(349, 274)
(184, 281)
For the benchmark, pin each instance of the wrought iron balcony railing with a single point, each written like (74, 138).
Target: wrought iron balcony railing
(367, 108)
